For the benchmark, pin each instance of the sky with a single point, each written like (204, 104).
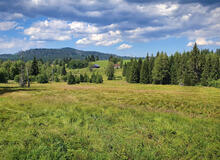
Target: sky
(122, 27)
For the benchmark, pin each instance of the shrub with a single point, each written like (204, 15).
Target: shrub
(42, 78)
(17, 78)
(64, 78)
(77, 79)
(99, 78)
(56, 79)
(214, 83)
(71, 79)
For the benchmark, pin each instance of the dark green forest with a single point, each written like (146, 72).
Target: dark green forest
(197, 67)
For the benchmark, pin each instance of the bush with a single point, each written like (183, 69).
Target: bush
(64, 78)
(71, 79)
(3, 76)
(17, 78)
(32, 78)
(214, 83)
(42, 78)
(86, 78)
(99, 78)
(56, 79)
(77, 79)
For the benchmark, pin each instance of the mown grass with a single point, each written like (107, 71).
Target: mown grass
(113, 120)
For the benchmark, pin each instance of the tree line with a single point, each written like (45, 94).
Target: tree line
(197, 67)
(43, 72)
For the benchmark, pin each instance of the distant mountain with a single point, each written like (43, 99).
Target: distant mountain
(52, 54)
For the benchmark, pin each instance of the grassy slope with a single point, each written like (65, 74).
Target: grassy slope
(114, 120)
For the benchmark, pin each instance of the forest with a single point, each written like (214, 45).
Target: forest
(197, 67)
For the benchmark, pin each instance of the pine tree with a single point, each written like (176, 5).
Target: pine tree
(134, 75)
(124, 69)
(34, 67)
(63, 72)
(206, 74)
(110, 71)
(71, 79)
(193, 65)
(161, 70)
(144, 75)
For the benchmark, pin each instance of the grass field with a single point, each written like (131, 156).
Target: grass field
(113, 120)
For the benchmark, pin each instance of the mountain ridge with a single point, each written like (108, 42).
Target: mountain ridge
(52, 54)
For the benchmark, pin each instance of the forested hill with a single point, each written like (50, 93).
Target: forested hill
(52, 54)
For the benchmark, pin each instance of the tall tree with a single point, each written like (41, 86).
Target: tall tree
(145, 72)
(34, 67)
(110, 71)
(161, 69)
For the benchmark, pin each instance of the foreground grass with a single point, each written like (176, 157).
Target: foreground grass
(114, 120)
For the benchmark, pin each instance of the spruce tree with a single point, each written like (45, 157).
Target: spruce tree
(134, 75)
(161, 70)
(34, 67)
(206, 74)
(110, 71)
(144, 74)
(63, 72)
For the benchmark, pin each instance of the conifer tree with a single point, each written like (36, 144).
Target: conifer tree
(134, 72)
(206, 74)
(63, 72)
(161, 70)
(144, 74)
(110, 71)
(34, 67)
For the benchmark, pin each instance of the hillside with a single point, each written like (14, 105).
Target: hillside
(51, 54)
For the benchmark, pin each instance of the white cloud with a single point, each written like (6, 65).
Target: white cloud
(18, 44)
(124, 46)
(7, 25)
(61, 30)
(101, 39)
(49, 30)
(10, 16)
(203, 42)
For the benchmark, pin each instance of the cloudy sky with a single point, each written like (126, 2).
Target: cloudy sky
(123, 27)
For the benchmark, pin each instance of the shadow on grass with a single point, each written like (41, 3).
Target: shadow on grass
(4, 90)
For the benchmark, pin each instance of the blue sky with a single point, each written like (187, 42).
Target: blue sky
(123, 27)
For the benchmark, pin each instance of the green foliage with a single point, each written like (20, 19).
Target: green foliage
(74, 64)
(99, 78)
(145, 72)
(17, 78)
(42, 78)
(63, 72)
(71, 79)
(34, 67)
(214, 83)
(110, 71)
(160, 72)
(3, 76)
(64, 78)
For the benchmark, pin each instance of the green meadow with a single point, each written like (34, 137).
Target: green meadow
(113, 120)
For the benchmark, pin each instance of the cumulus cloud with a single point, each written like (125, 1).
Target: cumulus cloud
(135, 20)
(49, 30)
(102, 39)
(7, 25)
(124, 46)
(203, 42)
(16, 44)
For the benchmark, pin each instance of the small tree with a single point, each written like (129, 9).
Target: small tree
(99, 78)
(63, 72)
(110, 71)
(34, 67)
(42, 78)
(71, 79)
